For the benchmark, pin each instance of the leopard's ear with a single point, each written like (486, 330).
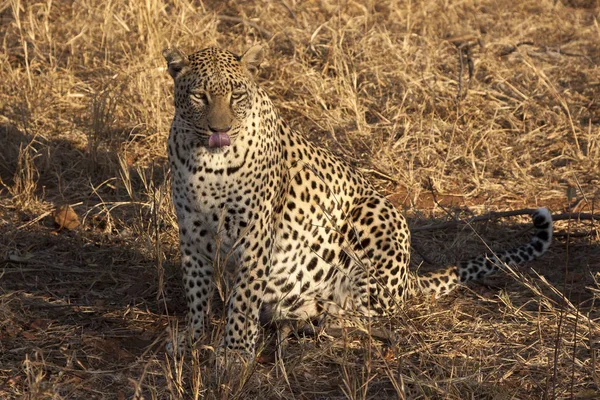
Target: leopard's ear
(252, 59)
(176, 60)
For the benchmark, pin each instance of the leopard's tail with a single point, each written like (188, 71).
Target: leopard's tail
(439, 283)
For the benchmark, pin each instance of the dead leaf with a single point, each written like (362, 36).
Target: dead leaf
(389, 354)
(18, 257)
(39, 324)
(9, 332)
(66, 218)
(12, 381)
(108, 346)
(587, 394)
(99, 303)
(147, 335)
(100, 223)
(28, 335)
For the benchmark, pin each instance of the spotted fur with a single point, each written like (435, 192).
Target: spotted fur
(309, 232)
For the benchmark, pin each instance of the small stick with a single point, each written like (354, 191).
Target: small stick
(417, 248)
(268, 34)
(435, 200)
(380, 333)
(464, 50)
(460, 73)
(512, 49)
(379, 174)
(575, 234)
(496, 215)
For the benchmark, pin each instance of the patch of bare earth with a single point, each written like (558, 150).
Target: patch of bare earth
(454, 109)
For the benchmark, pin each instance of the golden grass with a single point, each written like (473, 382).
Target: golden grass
(85, 108)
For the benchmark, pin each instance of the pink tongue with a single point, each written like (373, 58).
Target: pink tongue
(219, 139)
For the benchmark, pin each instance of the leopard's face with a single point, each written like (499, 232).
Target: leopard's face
(214, 91)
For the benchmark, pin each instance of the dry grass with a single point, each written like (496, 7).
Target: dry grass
(85, 107)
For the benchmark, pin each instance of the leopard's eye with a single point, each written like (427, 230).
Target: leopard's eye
(236, 96)
(199, 97)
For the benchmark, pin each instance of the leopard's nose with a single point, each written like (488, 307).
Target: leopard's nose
(223, 129)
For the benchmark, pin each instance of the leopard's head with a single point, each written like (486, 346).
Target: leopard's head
(214, 91)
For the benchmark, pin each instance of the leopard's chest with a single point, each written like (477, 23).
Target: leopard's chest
(225, 192)
(207, 192)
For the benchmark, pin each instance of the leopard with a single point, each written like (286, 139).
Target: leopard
(304, 232)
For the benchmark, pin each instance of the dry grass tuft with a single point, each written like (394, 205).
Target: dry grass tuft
(489, 105)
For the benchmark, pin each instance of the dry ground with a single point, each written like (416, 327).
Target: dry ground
(85, 107)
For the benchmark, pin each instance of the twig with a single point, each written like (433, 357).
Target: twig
(266, 33)
(417, 249)
(496, 215)
(460, 74)
(289, 9)
(435, 200)
(379, 174)
(569, 54)
(512, 49)
(464, 54)
(575, 234)
(35, 220)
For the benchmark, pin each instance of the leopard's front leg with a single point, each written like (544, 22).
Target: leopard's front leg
(246, 298)
(197, 269)
(198, 281)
